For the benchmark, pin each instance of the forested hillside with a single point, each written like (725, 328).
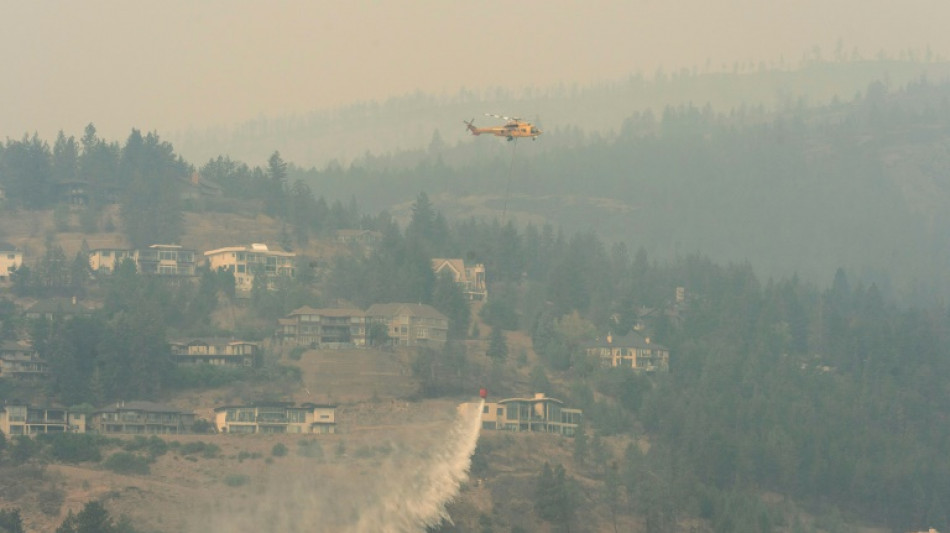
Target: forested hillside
(862, 184)
(793, 402)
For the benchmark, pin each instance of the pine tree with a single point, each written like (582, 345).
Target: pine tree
(10, 520)
(497, 346)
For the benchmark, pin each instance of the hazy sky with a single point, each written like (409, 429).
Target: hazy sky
(169, 65)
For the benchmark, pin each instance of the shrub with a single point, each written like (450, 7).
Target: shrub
(310, 448)
(365, 452)
(73, 447)
(208, 376)
(297, 352)
(127, 463)
(241, 456)
(207, 450)
(50, 501)
(136, 444)
(156, 447)
(236, 480)
(202, 426)
(23, 449)
(10, 520)
(279, 450)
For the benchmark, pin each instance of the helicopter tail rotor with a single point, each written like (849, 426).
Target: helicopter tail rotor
(471, 126)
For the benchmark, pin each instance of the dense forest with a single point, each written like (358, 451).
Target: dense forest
(862, 183)
(830, 395)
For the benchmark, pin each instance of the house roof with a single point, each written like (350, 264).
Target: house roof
(149, 407)
(210, 341)
(404, 309)
(21, 403)
(457, 266)
(327, 311)
(630, 340)
(15, 346)
(347, 233)
(114, 249)
(256, 248)
(57, 305)
(286, 405)
(536, 398)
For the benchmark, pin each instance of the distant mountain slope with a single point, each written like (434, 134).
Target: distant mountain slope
(408, 122)
(863, 185)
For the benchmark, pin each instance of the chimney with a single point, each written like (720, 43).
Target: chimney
(610, 339)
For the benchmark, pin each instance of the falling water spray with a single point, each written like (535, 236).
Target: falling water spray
(417, 497)
(404, 489)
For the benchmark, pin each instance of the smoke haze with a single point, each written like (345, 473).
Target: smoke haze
(170, 66)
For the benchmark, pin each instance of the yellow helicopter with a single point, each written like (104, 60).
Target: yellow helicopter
(513, 128)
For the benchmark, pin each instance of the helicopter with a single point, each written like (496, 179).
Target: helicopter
(514, 127)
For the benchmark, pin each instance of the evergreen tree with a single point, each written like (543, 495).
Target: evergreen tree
(65, 159)
(10, 520)
(580, 446)
(497, 345)
(555, 499)
(422, 223)
(151, 203)
(27, 171)
(93, 518)
(274, 202)
(447, 297)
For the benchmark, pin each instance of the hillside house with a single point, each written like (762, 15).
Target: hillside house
(56, 309)
(630, 351)
(19, 360)
(325, 327)
(196, 187)
(166, 260)
(278, 417)
(410, 324)
(363, 237)
(142, 418)
(72, 192)
(107, 259)
(538, 414)
(10, 259)
(216, 352)
(159, 259)
(23, 419)
(247, 261)
(471, 279)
